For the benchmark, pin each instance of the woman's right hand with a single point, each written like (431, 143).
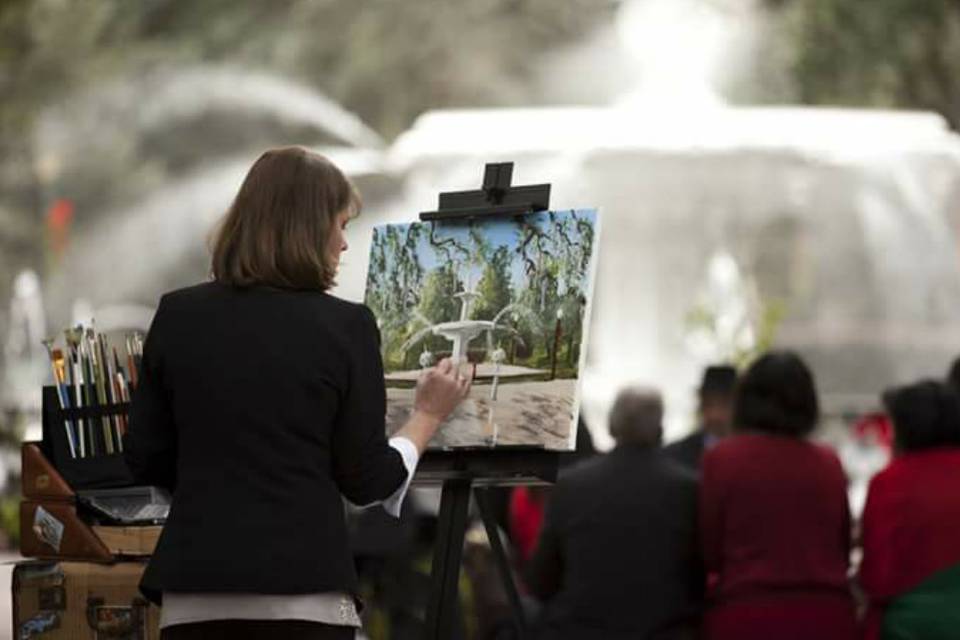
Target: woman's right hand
(440, 390)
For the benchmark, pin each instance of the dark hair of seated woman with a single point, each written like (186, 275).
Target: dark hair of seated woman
(777, 396)
(925, 415)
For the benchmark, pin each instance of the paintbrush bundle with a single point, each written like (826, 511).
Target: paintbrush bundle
(93, 388)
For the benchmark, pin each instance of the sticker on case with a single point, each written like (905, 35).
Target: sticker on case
(38, 624)
(48, 528)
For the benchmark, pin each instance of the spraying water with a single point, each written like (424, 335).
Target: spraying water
(123, 109)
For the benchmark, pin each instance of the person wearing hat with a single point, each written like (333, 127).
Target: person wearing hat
(714, 411)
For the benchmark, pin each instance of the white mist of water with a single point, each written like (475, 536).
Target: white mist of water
(679, 55)
(124, 255)
(123, 108)
(677, 45)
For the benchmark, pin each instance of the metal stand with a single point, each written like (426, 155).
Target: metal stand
(445, 574)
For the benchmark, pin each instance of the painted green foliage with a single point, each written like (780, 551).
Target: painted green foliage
(529, 276)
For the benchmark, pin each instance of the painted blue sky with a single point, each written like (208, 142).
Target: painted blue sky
(499, 232)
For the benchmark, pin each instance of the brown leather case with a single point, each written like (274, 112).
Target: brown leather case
(52, 529)
(129, 541)
(39, 478)
(74, 600)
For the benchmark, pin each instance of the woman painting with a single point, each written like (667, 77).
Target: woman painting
(261, 402)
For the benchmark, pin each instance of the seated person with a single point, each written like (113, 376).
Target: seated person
(911, 522)
(714, 410)
(617, 556)
(775, 523)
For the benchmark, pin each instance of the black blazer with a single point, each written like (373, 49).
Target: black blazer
(258, 408)
(618, 556)
(689, 451)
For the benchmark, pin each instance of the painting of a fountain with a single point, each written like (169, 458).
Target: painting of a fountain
(507, 299)
(459, 332)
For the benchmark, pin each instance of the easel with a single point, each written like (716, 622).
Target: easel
(464, 470)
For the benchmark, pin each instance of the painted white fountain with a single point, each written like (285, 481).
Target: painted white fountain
(462, 331)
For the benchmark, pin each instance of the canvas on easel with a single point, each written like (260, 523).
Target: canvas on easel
(505, 296)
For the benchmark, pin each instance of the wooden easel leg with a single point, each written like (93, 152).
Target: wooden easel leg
(445, 573)
(506, 575)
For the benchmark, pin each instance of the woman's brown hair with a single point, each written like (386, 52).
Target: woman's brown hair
(276, 231)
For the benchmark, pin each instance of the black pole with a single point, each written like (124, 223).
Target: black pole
(445, 573)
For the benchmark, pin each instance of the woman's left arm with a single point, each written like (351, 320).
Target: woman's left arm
(150, 444)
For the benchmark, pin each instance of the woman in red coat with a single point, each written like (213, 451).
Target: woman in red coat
(774, 517)
(911, 523)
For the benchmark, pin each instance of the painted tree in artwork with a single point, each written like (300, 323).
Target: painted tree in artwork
(539, 291)
(555, 251)
(438, 304)
(406, 273)
(448, 248)
(437, 301)
(574, 241)
(377, 295)
(393, 280)
(494, 288)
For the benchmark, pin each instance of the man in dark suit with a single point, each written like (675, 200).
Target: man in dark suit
(715, 410)
(618, 556)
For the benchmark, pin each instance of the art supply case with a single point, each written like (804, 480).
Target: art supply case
(93, 472)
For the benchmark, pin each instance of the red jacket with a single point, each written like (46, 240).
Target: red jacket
(775, 525)
(911, 525)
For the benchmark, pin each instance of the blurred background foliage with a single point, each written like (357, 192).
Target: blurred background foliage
(385, 61)
(882, 53)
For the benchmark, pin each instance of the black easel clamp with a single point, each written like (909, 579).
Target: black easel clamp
(496, 198)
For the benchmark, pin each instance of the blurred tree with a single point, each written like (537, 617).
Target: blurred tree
(884, 53)
(386, 61)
